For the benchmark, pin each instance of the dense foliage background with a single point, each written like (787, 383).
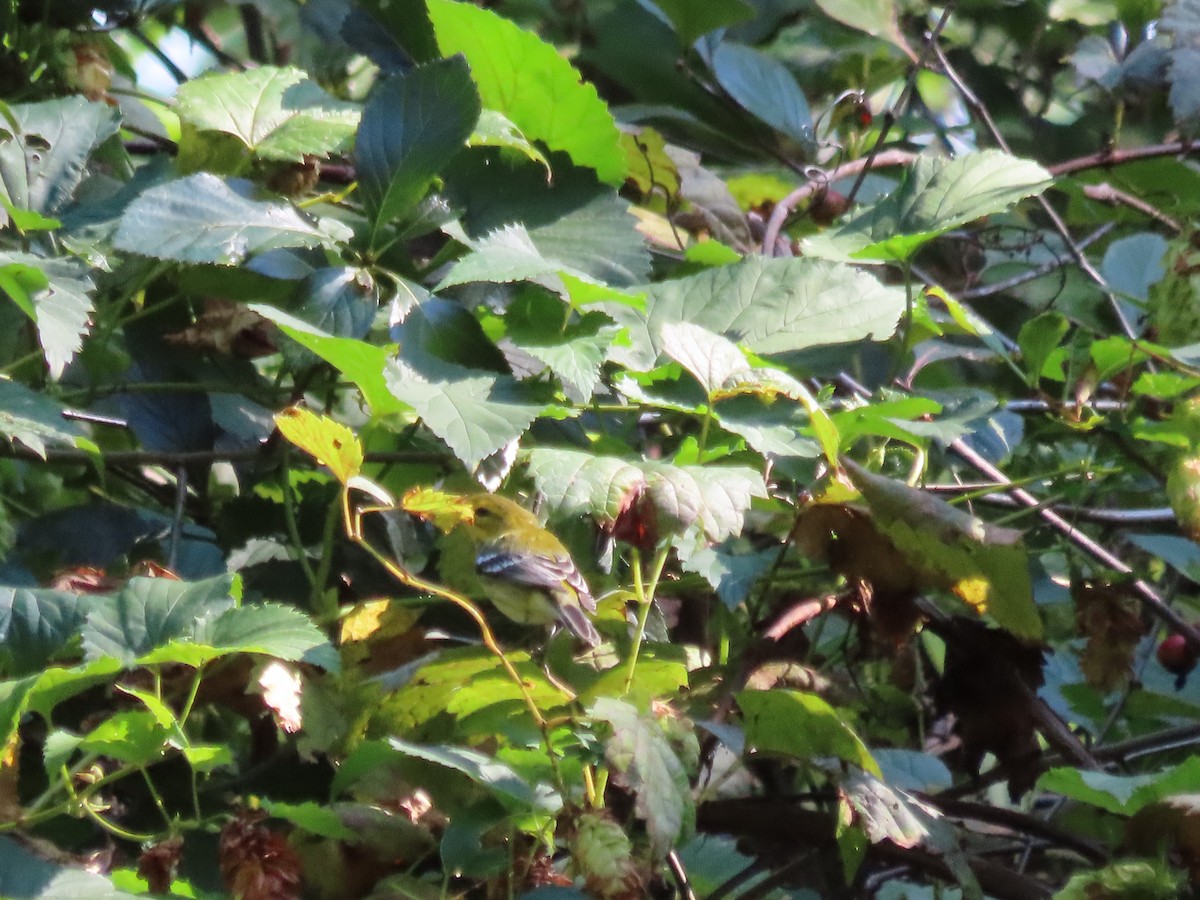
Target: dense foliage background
(851, 345)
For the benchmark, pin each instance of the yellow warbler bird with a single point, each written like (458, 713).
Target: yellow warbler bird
(526, 570)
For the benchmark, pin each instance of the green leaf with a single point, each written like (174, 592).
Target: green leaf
(530, 83)
(935, 196)
(474, 411)
(486, 771)
(1123, 795)
(693, 18)
(769, 305)
(278, 113)
(495, 130)
(765, 88)
(505, 255)
(984, 564)
(34, 419)
(913, 770)
(59, 684)
(202, 219)
(574, 352)
(731, 574)
(35, 625)
(268, 628)
(62, 307)
(875, 17)
(711, 499)
(411, 126)
(149, 612)
(801, 725)
(132, 736)
(311, 817)
(26, 219)
(41, 167)
(1038, 338)
(463, 681)
(641, 759)
(1182, 20)
(359, 361)
(599, 238)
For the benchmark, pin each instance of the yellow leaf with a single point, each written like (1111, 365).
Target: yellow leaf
(445, 511)
(333, 445)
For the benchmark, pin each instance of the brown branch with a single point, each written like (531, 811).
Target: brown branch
(800, 613)
(1106, 159)
(780, 824)
(172, 459)
(784, 208)
(1106, 193)
(978, 107)
(1149, 597)
(1015, 820)
(999, 287)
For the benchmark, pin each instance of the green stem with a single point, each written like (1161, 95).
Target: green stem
(293, 527)
(158, 800)
(191, 697)
(327, 611)
(645, 600)
(705, 425)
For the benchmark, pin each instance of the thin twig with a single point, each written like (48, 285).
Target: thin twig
(167, 63)
(929, 44)
(980, 110)
(1106, 193)
(1147, 594)
(173, 458)
(181, 491)
(783, 209)
(999, 287)
(1016, 820)
(1108, 158)
(681, 878)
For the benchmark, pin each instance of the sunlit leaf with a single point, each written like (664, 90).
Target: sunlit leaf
(333, 444)
(527, 81)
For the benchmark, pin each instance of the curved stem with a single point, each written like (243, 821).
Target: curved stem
(353, 525)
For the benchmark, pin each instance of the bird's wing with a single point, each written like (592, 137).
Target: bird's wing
(549, 573)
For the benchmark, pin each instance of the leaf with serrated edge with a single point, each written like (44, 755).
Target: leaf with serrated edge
(528, 81)
(278, 113)
(642, 759)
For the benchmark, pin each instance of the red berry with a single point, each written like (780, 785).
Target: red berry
(1176, 655)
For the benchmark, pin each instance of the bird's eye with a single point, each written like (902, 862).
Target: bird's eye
(482, 513)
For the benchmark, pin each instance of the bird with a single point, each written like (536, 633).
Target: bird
(527, 572)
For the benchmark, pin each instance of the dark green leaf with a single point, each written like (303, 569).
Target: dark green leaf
(202, 219)
(149, 612)
(410, 128)
(764, 87)
(693, 18)
(768, 305)
(35, 625)
(34, 419)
